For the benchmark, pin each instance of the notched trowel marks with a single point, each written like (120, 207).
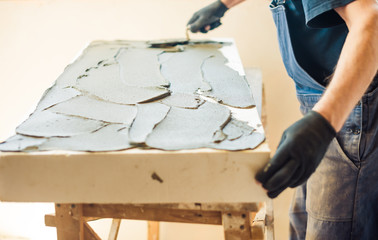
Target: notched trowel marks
(122, 94)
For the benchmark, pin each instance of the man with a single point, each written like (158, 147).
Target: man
(330, 50)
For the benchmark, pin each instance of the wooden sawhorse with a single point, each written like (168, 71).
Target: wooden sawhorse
(242, 221)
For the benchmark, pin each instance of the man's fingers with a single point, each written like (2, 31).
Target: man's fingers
(196, 25)
(297, 180)
(278, 160)
(205, 29)
(214, 25)
(193, 19)
(274, 194)
(281, 179)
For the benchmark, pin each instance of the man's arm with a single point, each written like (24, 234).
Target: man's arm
(231, 3)
(357, 65)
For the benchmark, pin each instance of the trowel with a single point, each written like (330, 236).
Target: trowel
(171, 42)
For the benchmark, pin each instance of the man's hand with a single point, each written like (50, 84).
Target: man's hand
(299, 153)
(207, 18)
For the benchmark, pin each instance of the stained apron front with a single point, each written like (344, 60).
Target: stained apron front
(340, 200)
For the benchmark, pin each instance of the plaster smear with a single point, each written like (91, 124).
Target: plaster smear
(50, 124)
(189, 128)
(149, 115)
(21, 143)
(235, 129)
(112, 137)
(105, 83)
(88, 107)
(141, 67)
(227, 86)
(244, 142)
(183, 70)
(55, 95)
(121, 94)
(91, 57)
(183, 100)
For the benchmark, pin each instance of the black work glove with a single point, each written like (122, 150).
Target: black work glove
(302, 147)
(209, 15)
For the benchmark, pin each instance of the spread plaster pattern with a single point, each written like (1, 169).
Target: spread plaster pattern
(123, 94)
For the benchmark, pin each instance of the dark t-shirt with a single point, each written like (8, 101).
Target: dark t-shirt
(318, 34)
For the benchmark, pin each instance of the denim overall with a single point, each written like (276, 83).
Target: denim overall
(340, 200)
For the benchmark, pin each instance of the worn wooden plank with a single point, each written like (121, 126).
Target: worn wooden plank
(123, 211)
(236, 225)
(50, 220)
(153, 230)
(269, 221)
(248, 207)
(69, 221)
(114, 229)
(89, 233)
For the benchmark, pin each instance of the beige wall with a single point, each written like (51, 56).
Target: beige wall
(39, 38)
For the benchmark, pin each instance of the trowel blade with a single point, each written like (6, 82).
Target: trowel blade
(168, 42)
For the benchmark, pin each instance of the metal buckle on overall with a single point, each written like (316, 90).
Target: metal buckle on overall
(276, 3)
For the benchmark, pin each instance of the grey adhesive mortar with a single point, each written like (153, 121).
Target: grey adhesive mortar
(106, 85)
(189, 128)
(149, 115)
(91, 108)
(183, 70)
(244, 142)
(227, 86)
(183, 100)
(141, 67)
(91, 57)
(235, 129)
(55, 95)
(50, 124)
(21, 143)
(109, 138)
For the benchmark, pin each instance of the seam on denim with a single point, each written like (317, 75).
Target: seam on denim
(354, 212)
(328, 219)
(344, 156)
